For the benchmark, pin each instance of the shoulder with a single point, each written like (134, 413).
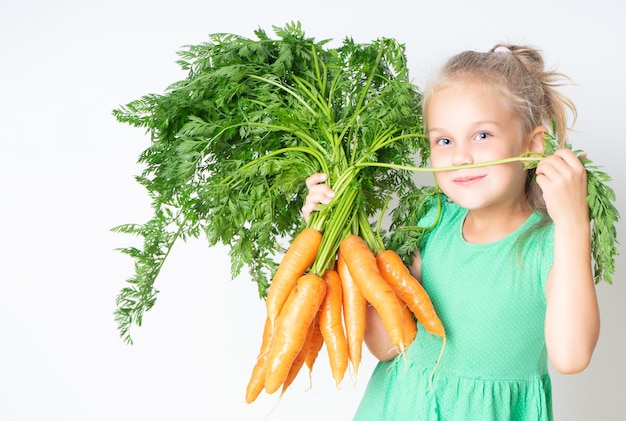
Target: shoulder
(537, 245)
(540, 232)
(441, 211)
(442, 222)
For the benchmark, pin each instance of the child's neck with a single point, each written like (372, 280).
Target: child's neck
(486, 226)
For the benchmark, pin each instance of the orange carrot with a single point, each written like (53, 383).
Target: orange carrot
(299, 361)
(362, 266)
(354, 308)
(410, 327)
(299, 257)
(315, 345)
(409, 290)
(331, 326)
(292, 327)
(257, 379)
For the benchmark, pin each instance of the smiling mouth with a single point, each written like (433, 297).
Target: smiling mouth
(467, 181)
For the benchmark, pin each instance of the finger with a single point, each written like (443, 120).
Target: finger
(316, 178)
(560, 171)
(569, 157)
(320, 194)
(307, 210)
(552, 165)
(311, 203)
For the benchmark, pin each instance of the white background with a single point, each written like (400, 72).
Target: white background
(66, 178)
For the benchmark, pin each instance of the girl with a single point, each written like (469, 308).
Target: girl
(508, 265)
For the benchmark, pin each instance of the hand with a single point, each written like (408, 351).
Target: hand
(563, 180)
(319, 193)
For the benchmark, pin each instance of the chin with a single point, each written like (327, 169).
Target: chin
(467, 200)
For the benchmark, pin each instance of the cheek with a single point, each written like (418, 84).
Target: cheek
(437, 159)
(440, 178)
(513, 173)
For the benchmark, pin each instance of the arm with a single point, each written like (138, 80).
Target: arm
(572, 322)
(376, 337)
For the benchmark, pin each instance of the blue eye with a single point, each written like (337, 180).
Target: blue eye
(444, 141)
(483, 136)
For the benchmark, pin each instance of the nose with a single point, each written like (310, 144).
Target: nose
(462, 154)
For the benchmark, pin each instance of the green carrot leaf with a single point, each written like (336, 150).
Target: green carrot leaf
(232, 143)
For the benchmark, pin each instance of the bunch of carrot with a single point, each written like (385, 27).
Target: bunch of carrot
(310, 304)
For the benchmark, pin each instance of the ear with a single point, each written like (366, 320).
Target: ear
(536, 141)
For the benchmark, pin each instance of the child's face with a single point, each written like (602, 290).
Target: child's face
(468, 123)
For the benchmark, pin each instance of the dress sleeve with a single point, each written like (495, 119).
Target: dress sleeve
(435, 205)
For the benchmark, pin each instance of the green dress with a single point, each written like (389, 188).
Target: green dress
(491, 300)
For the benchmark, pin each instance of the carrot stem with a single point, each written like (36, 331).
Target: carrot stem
(521, 158)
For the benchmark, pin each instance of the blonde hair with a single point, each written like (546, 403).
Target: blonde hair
(519, 74)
